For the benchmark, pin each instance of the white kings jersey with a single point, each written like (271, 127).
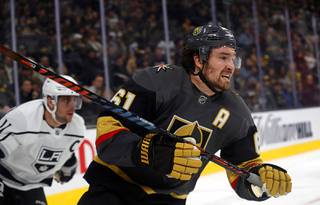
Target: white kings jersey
(33, 151)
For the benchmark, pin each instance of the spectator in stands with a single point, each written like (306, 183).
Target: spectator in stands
(8, 67)
(3, 110)
(4, 79)
(97, 85)
(91, 62)
(119, 70)
(310, 94)
(90, 110)
(158, 56)
(44, 60)
(279, 96)
(25, 74)
(135, 28)
(245, 38)
(26, 91)
(269, 99)
(131, 64)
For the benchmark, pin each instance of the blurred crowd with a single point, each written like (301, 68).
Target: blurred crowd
(135, 40)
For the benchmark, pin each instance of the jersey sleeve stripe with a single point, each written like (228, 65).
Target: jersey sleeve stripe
(234, 182)
(107, 124)
(5, 121)
(22, 133)
(5, 137)
(4, 128)
(31, 132)
(108, 135)
(72, 135)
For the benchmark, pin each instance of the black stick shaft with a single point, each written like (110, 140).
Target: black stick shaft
(117, 110)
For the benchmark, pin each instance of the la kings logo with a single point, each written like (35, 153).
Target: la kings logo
(47, 159)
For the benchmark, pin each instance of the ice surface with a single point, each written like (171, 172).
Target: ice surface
(304, 169)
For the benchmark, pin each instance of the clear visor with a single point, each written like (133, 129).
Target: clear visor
(237, 62)
(75, 100)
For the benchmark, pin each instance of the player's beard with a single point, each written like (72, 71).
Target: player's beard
(220, 83)
(217, 81)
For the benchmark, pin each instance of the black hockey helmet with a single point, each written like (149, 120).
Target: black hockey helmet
(203, 38)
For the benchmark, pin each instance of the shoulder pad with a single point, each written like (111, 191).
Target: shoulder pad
(164, 67)
(236, 103)
(165, 81)
(160, 77)
(27, 115)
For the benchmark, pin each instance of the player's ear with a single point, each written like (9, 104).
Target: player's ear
(197, 62)
(51, 103)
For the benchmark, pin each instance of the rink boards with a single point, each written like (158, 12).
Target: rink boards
(289, 133)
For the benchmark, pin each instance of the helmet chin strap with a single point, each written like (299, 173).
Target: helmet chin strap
(53, 111)
(205, 81)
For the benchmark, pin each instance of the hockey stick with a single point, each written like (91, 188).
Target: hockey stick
(121, 112)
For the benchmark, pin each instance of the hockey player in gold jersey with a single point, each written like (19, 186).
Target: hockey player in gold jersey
(194, 102)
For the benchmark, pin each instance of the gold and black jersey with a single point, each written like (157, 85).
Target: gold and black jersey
(166, 96)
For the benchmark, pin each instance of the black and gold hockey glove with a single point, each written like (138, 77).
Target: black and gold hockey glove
(168, 156)
(276, 181)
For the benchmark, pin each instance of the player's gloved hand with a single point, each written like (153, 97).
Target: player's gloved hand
(67, 171)
(276, 181)
(168, 156)
(63, 176)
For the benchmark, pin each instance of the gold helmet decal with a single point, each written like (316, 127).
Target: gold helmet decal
(197, 30)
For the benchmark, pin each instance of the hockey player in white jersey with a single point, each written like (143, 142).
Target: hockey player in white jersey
(37, 142)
